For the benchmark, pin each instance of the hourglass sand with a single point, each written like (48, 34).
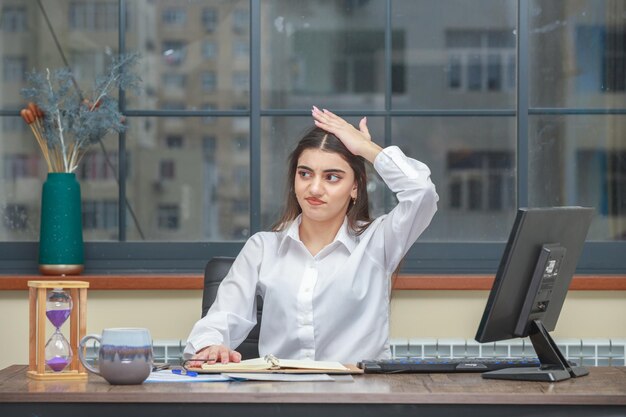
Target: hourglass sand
(51, 301)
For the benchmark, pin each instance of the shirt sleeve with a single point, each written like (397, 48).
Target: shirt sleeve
(233, 313)
(417, 202)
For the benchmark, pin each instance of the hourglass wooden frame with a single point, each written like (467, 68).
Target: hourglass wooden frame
(37, 330)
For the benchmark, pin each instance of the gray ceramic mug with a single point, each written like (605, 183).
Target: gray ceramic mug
(124, 355)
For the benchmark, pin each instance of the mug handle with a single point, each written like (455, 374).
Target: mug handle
(81, 349)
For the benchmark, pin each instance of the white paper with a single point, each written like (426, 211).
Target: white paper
(278, 377)
(167, 376)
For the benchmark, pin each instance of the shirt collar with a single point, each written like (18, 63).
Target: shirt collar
(344, 235)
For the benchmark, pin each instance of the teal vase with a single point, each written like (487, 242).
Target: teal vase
(61, 231)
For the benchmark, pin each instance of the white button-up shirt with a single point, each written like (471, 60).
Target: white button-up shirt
(331, 306)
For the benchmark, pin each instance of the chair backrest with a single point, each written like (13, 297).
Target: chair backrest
(214, 272)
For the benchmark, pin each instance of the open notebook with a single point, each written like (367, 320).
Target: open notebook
(270, 364)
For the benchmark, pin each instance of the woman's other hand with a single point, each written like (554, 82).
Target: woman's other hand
(213, 354)
(358, 141)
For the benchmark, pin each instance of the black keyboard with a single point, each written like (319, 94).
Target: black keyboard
(435, 365)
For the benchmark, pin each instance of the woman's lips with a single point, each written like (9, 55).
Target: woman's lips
(314, 201)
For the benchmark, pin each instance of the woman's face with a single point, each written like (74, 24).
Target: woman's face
(324, 184)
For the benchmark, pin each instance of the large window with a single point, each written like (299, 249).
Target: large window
(510, 103)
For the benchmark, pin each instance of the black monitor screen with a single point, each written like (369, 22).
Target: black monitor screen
(531, 285)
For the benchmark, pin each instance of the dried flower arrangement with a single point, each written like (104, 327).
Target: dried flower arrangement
(64, 122)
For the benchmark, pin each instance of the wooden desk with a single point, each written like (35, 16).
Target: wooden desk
(602, 392)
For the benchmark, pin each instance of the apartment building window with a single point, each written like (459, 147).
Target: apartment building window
(354, 73)
(175, 16)
(15, 216)
(94, 166)
(481, 180)
(241, 49)
(241, 20)
(480, 60)
(174, 80)
(353, 61)
(13, 125)
(209, 50)
(614, 75)
(209, 146)
(168, 216)
(87, 63)
(600, 59)
(167, 169)
(174, 142)
(174, 52)
(241, 177)
(602, 178)
(93, 16)
(616, 183)
(241, 81)
(16, 166)
(14, 68)
(209, 81)
(13, 19)
(100, 214)
(209, 19)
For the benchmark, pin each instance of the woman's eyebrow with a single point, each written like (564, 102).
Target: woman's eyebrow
(326, 170)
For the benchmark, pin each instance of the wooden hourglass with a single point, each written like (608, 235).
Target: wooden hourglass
(56, 357)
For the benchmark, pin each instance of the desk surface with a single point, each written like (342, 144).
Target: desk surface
(602, 391)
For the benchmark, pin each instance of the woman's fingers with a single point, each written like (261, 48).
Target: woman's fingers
(213, 354)
(327, 117)
(358, 141)
(235, 356)
(363, 128)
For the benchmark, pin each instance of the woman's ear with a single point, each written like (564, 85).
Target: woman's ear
(354, 191)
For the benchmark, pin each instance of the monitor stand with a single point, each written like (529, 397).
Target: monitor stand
(554, 367)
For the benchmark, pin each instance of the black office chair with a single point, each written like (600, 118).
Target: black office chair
(214, 272)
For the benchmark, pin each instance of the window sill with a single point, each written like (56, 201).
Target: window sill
(404, 282)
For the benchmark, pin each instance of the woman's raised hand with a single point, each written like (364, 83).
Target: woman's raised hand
(213, 354)
(358, 141)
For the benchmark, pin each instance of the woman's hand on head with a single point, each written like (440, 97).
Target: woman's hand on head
(213, 354)
(358, 141)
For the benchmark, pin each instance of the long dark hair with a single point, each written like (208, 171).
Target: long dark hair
(358, 209)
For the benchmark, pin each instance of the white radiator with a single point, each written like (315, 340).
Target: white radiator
(588, 352)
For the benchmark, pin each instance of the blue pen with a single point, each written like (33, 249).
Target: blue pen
(184, 372)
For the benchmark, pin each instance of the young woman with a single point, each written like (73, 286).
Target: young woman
(324, 272)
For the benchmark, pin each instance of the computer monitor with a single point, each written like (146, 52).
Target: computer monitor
(528, 292)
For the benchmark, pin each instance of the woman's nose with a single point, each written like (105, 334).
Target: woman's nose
(317, 187)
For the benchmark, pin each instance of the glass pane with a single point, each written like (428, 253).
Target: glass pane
(577, 53)
(581, 160)
(279, 137)
(188, 179)
(452, 56)
(195, 54)
(23, 169)
(473, 166)
(97, 175)
(86, 31)
(329, 53)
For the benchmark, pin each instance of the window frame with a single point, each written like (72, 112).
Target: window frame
(605, 257)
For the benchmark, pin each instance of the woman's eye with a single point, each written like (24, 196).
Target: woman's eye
(304, 174)
(333, 177)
